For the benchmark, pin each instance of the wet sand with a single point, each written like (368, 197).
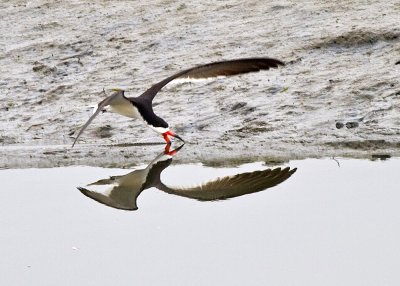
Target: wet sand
(338, 95)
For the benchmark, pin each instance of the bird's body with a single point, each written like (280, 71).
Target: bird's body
(135, 108)
(141, 107)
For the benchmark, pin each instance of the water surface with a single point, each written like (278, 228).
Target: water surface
(332, 222)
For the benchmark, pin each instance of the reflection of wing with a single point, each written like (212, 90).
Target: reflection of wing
(224, 68)
(233, 186)
(124, 200)
(100, 107)
(121, 192)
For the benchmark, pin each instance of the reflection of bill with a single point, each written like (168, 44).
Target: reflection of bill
(121, 192)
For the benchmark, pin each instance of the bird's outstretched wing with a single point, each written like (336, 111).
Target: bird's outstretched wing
(100, 107)
(224, 68)
(233, 186)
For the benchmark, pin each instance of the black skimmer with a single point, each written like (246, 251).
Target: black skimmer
(121, 192)
(141, 106)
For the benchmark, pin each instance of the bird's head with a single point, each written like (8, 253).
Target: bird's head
(118, 90)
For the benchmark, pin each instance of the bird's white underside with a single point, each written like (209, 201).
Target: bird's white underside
(125, 108)
(158, 129)
(180, 80)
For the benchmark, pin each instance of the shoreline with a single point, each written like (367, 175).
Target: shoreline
(129, 155)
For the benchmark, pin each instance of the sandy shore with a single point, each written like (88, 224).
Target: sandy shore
(338, 95)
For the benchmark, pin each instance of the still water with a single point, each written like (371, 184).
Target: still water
(308, 222)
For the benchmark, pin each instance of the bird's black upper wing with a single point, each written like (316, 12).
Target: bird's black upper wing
(224, 68)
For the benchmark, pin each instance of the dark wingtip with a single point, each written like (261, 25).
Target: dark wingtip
(73, 144)
(280, 63)
(274, 63)
(397, 63)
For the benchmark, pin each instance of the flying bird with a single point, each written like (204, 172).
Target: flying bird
(141, 107)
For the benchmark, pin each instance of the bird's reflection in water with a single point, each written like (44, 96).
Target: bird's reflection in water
(121, 192)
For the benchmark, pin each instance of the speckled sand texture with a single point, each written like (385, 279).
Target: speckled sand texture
(338, 95)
